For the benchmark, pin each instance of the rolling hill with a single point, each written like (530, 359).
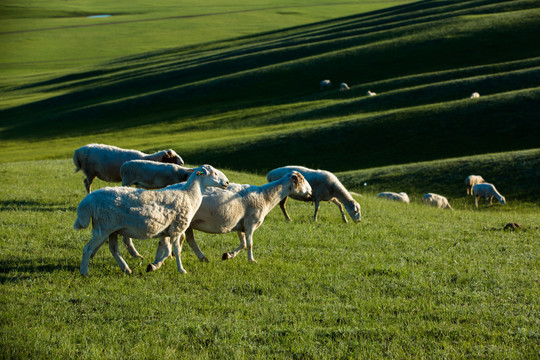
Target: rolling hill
(254, 102)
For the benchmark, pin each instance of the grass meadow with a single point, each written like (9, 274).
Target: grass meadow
(236, 85)
(406, 282)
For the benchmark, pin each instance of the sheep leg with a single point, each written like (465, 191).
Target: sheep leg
(249, 236)
(113, 247)
(194, 246)
(95, 251)
(282, 206)
(96, 241)
(163, 251)
(340, 206)
(232, 254)
(131, 248)
(317, 203)
(476, 201)
(178, 241)
(88, 183)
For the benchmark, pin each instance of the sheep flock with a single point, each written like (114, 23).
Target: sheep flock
(170, 201)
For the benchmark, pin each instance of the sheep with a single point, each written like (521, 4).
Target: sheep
(371, 93)
(343, 87)
(402, 197)
(472, 180)
(487, 191)
(325, 187)
(325, 85)
(138, 213)
(104, 161)
(240, 208)
(474, 95)
(436, 200)
(152, 175)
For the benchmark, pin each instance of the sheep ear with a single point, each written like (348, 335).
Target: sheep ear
(202, 172)
(295, 179)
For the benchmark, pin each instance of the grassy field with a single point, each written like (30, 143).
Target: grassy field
(408, 281)
(237, 86)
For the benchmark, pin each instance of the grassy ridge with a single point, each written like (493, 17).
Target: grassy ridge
(423, 59)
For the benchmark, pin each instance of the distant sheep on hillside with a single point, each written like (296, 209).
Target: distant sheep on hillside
(325, 84)
(436, 200)
(402, 197)
(371, 93)
(472, 180)
(343, 87)
(475, 95)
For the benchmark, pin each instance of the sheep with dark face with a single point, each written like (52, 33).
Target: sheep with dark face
(325, 187)
(104, 161)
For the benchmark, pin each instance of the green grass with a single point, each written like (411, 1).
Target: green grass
(240, 91)
(408, 281)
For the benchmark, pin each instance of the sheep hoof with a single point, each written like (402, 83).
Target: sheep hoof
(150, 268)
(128, 271)
(226, 256)
(204, 259)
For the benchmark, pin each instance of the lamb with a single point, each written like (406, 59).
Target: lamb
(402, 197)
(152, 175)
(137, 213)
(474, 95)
(343, 87)
(472, 180)
(325, 187)
(487, 191)
(325, 84)
(371, 93)
(240, 208)
(436, 200)
(104, 161)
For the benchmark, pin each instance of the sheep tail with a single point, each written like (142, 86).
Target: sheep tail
(83, 217)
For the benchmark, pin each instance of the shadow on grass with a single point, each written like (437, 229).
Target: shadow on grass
(24, 205)
(15, 269)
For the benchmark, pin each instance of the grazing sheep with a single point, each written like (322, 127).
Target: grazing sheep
(472, 180)
(343, 87)
(403, 197)
(436, 200)
(240, 208)
(152, 175)
(474, 95)
(325, 187)
(487, 191)
(325, 84)
(141, 214)
(104, 161)
(371, 93)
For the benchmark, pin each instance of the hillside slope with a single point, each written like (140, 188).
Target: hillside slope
(423, 60)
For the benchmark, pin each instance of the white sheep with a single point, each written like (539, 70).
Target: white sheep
(152, 175)
(474, 95)
(325, 85)
(240, 208)
(104, 161)
(325, 187)
(487, 191)
(141, 214)
(402, 197)
(472, 180)
(371, 93)
(343, 87)
(436, 200)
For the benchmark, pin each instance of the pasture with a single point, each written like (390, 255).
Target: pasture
(237, 86)
(408, 281)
